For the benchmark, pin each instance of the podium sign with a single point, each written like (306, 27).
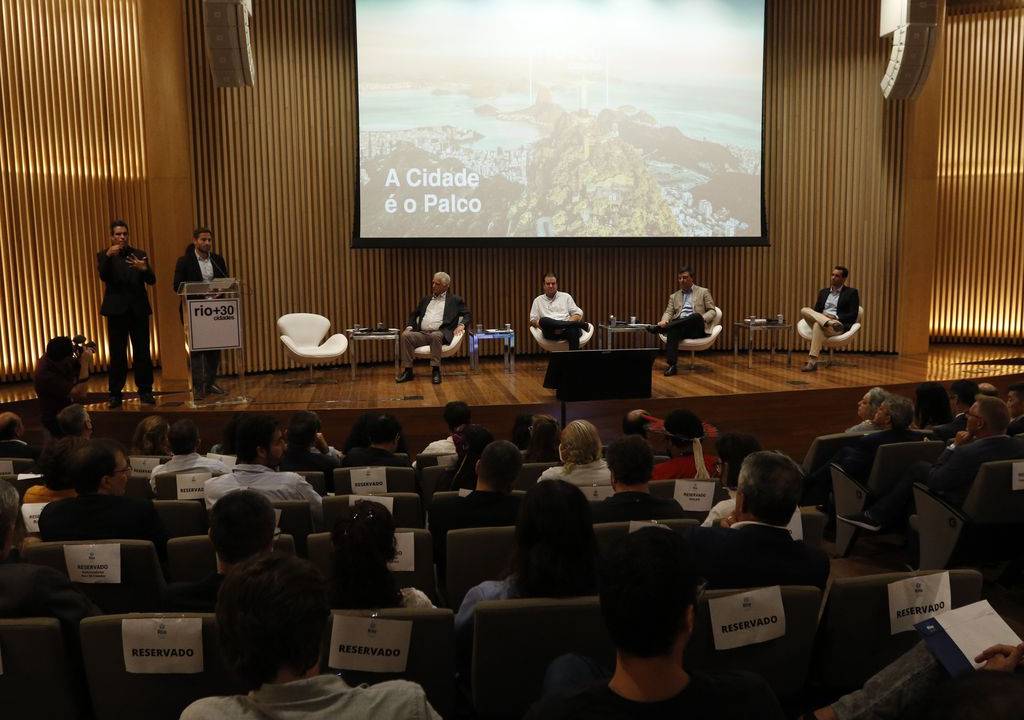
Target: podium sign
(214, 324)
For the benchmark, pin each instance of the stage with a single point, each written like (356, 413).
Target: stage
(782, 406)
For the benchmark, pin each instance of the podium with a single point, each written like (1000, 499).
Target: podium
(212, 316)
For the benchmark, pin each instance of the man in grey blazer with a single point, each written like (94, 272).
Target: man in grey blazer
(689, 312)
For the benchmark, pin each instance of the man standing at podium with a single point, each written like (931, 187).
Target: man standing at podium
(689, 312)
(201, 264)
(125, 272)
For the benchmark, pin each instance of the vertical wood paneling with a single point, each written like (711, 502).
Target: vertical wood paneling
(980, 243)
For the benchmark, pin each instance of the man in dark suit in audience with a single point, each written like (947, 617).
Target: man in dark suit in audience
(11, 444)
(757, 548)
(490, 504)
(631, 462)
(961, 397)
(307, 449)
(101, 512)
(385, 433)
(984, 440)
(1015, 405)
(241, 526)
(437, 319)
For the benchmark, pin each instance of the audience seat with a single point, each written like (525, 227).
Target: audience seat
(138, 487)
(167, 485)
(813, 521)
(142, 580)
(314, 478)
(321, 554)
(158, 459)
(824, 447)
(430, 476)
(21, 484)
(560, 345)
(530, 473)
(608, 533)
(988, 526)
(666, 490)
(190, 559)
(38, 680)
(446, 499)
(296, 520)
(696, 345)
(836, 341)
(515, 640)
(182, 517)
(302, 335)
(407, 512)
(431, 657)
(120, 695)
(475, 555)
(399, 479)
(854, 637)
(784, 662)
(447, 349)
(18, 465)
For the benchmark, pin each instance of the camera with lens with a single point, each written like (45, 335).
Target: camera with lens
(80, 343)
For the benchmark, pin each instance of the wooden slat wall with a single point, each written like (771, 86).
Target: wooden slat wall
(275, 170)
(71, 159)
(980, 245)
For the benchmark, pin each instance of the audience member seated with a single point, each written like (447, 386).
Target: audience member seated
(359, 434)
(58, 482)
(753, 547)
(988, 389)
(364, 544)
(456, 414)
(307, 448)
(1015, 406)
(733, 449)
(470, 441)
(893, 419)
(521, 430)
(931, 406)
(28, 590)
(649, 589)
(961, 397)
(631, 461)
(983, 440)
(555, 553)
(226, 446)
(241, 526)
(866, 409)
(151, 437)
(272, 613)
(11, 444)
(100, 511)
(183, 438)
(490, 504)
(580, 453)
(384, 434)
(259, 447)
(642, 423)
(685, 432)
(74, 421)
(544, 439)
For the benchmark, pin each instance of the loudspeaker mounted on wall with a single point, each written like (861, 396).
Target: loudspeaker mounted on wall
(913, 25)
(228, 42)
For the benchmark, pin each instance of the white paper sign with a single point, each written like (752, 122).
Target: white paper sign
(190, 485)
(1018, 476)
(143, 464)
(447, 460)
(277, 517)
(30, 513)
(796, 525)
(388, 502)
(100, 564)
(598, 492)
(162, 645)
(635, 525)
(228, 460)
(916, 599)
(464, 492)
(975, 628)
(370, 644)
(695, 495)
(6, 467)
(214, 324)
(29, 476)
(747, 618)
(369, 480)
(405, 557)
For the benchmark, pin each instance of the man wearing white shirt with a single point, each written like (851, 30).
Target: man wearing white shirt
(436, 321)
(260, 446)
(557, 314)
(184, 440)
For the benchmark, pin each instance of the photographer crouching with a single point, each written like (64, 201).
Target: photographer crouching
(60, 377)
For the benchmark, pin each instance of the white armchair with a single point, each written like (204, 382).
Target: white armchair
(836, 341)
(302, 333)
(695, 345)
(447, 350)
(560, 345)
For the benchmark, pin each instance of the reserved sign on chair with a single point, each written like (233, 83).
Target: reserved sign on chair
(369, 480)
(162, 645)
(99, 564)
(370, 644)
(747, 618)
(917, 599)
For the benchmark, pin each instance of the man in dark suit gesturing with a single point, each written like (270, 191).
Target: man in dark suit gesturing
(436, 320)
(125, 272)
(834, 313)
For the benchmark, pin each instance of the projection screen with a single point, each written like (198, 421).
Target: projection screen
(560, 122)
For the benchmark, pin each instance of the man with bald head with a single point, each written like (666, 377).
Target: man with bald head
(437, 319)
(11, 443)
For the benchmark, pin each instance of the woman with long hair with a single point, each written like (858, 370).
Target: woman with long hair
(152, 437)
(931, 406)
(581, 451)
(543, 445)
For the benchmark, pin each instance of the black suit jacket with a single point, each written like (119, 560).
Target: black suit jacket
(186, 269)
(478, 509)
(625, 506)
(949, 430)
(296, 459)
(858, 457)
(956, 468)
(124, 290)
(848, 307)
(373, 457)
(103, 517)
(1016, 427)
(36, 591)
(13, 449)
(199, 596)
(756, 556)
(454, 308)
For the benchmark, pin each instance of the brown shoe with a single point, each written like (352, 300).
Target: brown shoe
(810, 367)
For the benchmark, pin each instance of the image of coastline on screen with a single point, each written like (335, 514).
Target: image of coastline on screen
(560, 121)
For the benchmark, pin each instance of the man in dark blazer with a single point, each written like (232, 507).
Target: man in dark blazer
(961, 397)
(437, 319)
(631, 463)
(757, 548)
(1015, 404)
(984, 440)
(834, 313)
(11, 444)
(125, 272)
(201, 264)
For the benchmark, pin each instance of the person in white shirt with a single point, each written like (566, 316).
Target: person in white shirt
(557, 314)
(260, 446)
(436, 321)
(580, 451)
(184, 439)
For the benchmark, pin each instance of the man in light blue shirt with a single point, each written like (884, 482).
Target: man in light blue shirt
(835, 312)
